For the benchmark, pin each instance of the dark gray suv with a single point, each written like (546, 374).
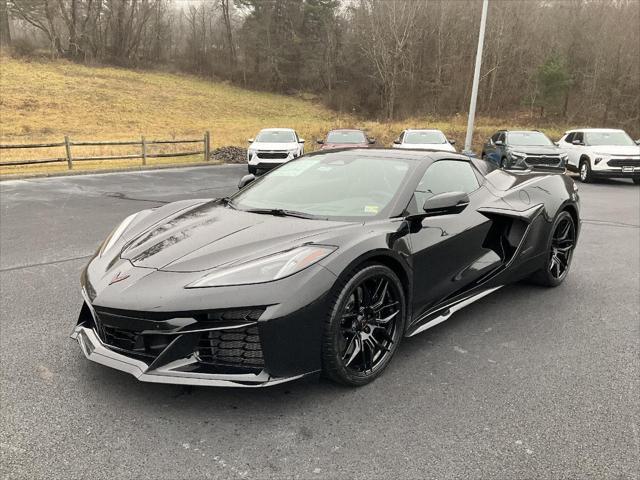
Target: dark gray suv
(523, 149)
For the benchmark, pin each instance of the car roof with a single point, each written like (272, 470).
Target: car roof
(520, 131)
(277, 130)
(383, 152)
(595, 130)
(423, 130)
(346, 130)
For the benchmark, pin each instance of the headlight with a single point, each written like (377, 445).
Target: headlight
(265, 269)
(117, 233)
(518, 154)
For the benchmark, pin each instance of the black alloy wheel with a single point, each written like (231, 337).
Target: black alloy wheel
(365, 326)
(562, 244)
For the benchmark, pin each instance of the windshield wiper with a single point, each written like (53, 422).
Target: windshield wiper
(228, 202)
(280, 212)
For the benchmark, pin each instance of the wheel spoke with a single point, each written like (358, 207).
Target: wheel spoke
(378, 345)
(380, 294)
(384, 334)
(356, 341)
(381, 322)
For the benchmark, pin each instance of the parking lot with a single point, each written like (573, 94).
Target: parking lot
(526, 383)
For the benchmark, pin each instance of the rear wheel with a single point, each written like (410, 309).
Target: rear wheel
(365, 326)
(560, 252)
(586, 175)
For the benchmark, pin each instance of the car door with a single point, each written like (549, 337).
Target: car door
(447, 251)
(575, 148)
(567, 147)
(490, 147)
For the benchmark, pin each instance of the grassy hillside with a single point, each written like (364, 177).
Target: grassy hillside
(43, 101)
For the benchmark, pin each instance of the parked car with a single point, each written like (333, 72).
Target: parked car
(522, 149)
(602, 152)
(346, 138)
(323, 265)
(424, 139)
(273, 147)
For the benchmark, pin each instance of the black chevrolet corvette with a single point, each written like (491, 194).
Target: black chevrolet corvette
(322, 265)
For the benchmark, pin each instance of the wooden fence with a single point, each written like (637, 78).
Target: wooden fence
(143, 143)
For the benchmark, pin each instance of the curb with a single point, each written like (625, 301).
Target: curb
(4, 178)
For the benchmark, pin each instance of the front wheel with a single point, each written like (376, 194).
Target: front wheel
(364, 327)
(560, 252)
(586, 175)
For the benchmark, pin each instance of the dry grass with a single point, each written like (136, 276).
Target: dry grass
(42, 101)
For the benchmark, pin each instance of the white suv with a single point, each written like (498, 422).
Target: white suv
(424, 140)
(273, 147)
(602, 152)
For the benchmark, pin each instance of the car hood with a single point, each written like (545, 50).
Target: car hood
(445, 147)
(273, 146)
(328, 146)
(208, 235)
(616, 149)
(537, 150)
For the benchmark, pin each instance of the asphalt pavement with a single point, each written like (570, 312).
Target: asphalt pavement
(526, 383)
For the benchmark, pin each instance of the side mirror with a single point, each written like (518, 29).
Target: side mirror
(452, 142)
(320, 142)
(446, 203)
(498, 142)
(246, 180)
(372, 141)
(250, 140)
(577, 142)
(638, 142)
(557, 144)
(397, 141)
(301, 140)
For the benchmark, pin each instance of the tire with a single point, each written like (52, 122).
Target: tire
(586, 175)
(503, 162)
(636, 181)
(364, 326)
(252, 169)
(559, 252)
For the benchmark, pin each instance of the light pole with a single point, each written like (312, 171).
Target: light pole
(476, 79)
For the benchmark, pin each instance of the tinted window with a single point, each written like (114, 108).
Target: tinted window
(570, 137)
(501, 137)
(346, 136)
(332, 185)
(446, 176)
(495, 136)
(528, 139)
(425, 136)
(618, 138)
(276, 136)
(579, 136)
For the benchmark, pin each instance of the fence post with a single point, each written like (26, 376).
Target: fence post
(207, 145)
(67, 147)
(144, 151)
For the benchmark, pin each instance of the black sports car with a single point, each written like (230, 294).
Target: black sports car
(322, 265)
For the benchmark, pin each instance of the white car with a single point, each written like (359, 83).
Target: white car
(602, 152)
(273, 147)
(424, 140)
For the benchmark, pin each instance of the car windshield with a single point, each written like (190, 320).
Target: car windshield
(276, 136)
(424, 136)
(617, 138)
(331, 186)
(346, 136)
(537, 139)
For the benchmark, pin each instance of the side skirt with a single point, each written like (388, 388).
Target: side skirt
(443, 313)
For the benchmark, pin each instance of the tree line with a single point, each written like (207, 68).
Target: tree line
(576, 60)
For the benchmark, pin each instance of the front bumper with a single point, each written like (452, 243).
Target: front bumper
(616, 173)
(172, 373)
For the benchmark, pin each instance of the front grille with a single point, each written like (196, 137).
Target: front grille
(551, 161)
(123, 331)
(239, 347)
(273, 155)
(624, 162)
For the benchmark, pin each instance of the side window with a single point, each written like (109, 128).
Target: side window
(570, 137)
(501, 137)
(401, 137)
(579, 136)
(495, 136)
(446, 176)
